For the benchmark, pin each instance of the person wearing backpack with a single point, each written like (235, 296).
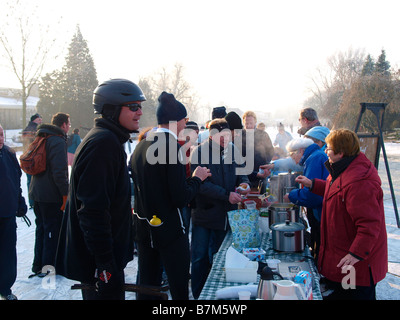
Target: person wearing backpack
(73, 142)
(49, 191)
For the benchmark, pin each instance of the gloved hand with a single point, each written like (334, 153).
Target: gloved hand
(64, 203)
(110, 283)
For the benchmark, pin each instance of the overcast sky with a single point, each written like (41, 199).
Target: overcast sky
(255, 54)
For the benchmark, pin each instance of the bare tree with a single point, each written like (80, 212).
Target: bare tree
(174, 82)
(25, 45)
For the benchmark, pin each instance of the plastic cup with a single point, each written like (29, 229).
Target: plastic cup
(273, 263)
(244, 295)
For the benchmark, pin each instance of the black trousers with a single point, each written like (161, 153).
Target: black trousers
(175, 259)
(359, 293)
(8, 254)
(48, 223)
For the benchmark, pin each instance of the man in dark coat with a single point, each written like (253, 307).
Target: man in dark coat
(162, 190)
(96, 240)
(216, 197)
(49, 191)
(12, 204)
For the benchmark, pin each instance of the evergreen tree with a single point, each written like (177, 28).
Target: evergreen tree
(368, 67)
(78, 82)
(382, 66)
(71, 89)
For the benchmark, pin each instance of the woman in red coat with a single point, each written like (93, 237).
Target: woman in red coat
(353, 253)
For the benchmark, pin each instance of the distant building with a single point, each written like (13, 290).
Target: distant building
(11, 108)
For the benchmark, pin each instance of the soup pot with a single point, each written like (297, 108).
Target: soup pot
(288, 236)
(280, 212)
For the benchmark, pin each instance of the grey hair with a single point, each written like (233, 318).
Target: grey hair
(309, 113)
(298, 143)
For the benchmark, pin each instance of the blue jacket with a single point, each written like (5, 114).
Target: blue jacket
(76, 140)
(313, 161)
(11, 199)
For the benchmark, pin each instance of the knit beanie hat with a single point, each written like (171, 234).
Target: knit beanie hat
(318, 133)
(219, 124)
(35, 116)
(218, 112)
(169, 109)
(192, 125)
(234, 121)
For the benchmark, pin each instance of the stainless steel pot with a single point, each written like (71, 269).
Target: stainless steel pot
(288, 236)
(282, 183)
(280, 212)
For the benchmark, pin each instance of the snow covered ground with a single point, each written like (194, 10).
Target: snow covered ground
(55, 287)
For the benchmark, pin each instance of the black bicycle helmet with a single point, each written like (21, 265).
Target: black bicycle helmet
(116, 92)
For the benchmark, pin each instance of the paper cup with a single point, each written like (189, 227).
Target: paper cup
(244, 295)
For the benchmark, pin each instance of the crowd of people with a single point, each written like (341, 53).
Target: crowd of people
(184, 183)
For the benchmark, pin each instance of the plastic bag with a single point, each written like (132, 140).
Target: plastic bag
(244, 225)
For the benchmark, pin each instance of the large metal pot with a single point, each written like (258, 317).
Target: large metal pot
(280, 212)
(282, 183)
(288, 236)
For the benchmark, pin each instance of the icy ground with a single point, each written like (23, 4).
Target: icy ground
(55, 287)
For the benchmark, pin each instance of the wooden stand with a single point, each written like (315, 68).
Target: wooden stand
(372, 143)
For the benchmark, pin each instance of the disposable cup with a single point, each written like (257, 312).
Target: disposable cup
(244, 295)
(273, 263)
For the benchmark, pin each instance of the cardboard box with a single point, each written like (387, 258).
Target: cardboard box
(254, 254)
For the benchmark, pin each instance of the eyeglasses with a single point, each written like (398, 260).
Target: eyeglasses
(133, 106)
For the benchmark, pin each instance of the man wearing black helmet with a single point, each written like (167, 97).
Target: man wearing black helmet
(96, 240)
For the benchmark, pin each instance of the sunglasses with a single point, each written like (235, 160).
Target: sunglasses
(133, 106)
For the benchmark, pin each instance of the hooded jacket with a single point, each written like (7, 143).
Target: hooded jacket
(97, 224)
(353, 221)
(51, 185)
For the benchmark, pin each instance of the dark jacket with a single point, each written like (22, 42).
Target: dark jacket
(161, 188)
(28, 134)
(353, 221)
(97, 224)
(11, 199)
(51, 185)
(212, 202)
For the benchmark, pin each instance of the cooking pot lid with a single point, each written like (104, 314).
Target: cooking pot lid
(287, 226)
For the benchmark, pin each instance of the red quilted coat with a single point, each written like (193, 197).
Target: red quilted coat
(353, 221)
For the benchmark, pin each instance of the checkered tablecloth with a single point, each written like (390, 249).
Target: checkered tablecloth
(216, 277)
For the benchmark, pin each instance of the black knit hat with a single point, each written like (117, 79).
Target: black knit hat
(218, 112)
(192, 125)
(234, 121)
(169, 109)
(35, 116)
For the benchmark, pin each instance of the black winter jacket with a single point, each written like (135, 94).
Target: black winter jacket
(11, 199)
(212, 201)
(97, 224)
(51, 185)
(161, 188)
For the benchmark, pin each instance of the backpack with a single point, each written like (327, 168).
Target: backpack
(33, 160)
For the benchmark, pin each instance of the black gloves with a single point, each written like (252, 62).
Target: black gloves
(22, 210)
(110, 283)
